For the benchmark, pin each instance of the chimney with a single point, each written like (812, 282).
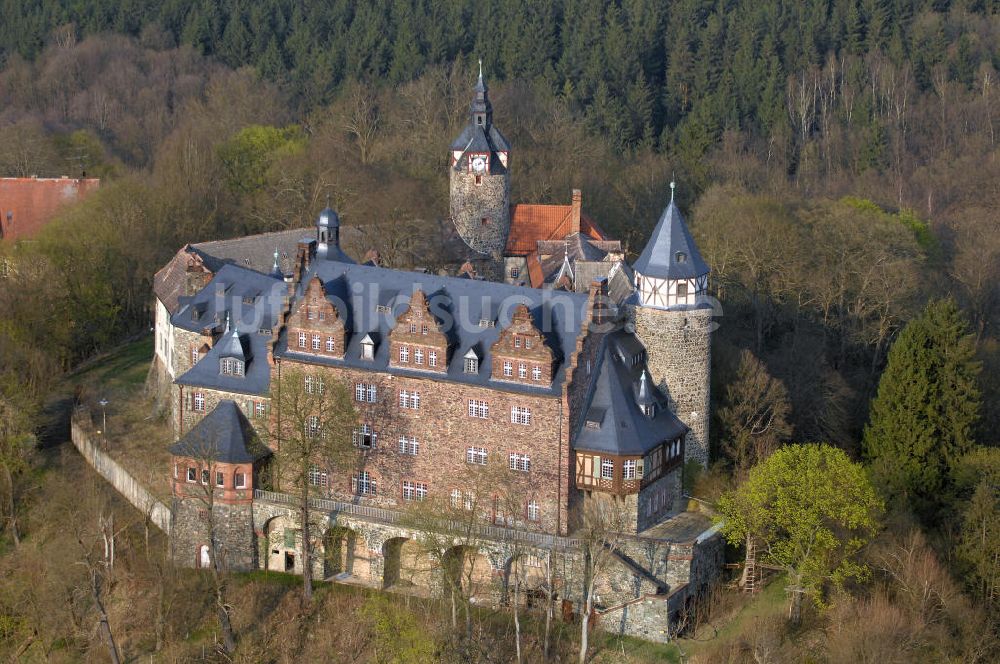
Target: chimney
(577, 207)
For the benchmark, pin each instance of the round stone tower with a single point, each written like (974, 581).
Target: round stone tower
(479, 179)
(673, 319)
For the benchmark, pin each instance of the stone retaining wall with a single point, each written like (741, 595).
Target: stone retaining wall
(83, 435)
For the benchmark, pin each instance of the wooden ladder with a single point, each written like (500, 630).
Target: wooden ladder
(751, 573)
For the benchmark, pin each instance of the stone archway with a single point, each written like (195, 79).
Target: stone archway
(392, 557)
(281, 538)
(340, 545)
(469, 568)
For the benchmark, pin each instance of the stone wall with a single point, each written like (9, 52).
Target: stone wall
(235, 542)
(82, 433)
(471, 203)
(678, 344)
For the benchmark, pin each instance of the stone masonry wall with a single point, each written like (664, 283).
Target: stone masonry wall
(471, 203)
(678, 344)
(82, 432)
(236, 543)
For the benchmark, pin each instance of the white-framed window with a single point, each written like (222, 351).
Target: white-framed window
(423, 329)
(607, 469)
(471, 365)
(533, 512)
(476, 455)
(508, 368)
(522, 371)
(367, 350)
(520, 415)
(195, 356)
(517, 341)
(414, 490)
(413, 328)
(363, 484)
(408, 445)
(365, 392)
(527, 342)
(364, 437)
(230, 366)
(240, 480)
(259, 409)
(199, 402)
(316, 342)
(204, 476)
(515, 273)
(310, 313)
(330, 345)
(404, 353)
(432, 358)
(302, 339)
(520, 462)
(192, 474)
(478, 408)
(312, 426)
(418, 355)
(456, 498)
(409, 399)
(220, 478)
(318, 477)
(314, 385)
(536, 373)
(628, 469)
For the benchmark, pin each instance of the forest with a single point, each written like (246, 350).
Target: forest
(836, 160)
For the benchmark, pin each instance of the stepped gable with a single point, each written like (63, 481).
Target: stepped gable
(224, 435)
(254, 303)
(472, 313)
(615, 422)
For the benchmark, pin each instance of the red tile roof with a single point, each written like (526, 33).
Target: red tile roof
(531, 223)
(535, 274)
(27, 204)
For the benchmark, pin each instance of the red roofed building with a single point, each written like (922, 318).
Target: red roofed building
(27, 204)
(544, 237)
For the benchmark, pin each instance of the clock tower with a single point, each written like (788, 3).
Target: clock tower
(479, 178)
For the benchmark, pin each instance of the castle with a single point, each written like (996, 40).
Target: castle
(582, 374)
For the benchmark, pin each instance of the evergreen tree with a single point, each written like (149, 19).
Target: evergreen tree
(927, 406)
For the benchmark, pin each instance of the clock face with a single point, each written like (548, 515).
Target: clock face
(479, 164)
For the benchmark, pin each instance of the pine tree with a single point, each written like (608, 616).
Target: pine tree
(927, 406)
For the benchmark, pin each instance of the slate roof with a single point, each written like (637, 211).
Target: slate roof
(224, 435)
(255, 252)
(460, 305)
(621, 427)
(671, 236)
(530, 224)
(207, 311)
(581, 250)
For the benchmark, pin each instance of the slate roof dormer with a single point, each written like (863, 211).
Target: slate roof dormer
(328, 236)
(671, 252)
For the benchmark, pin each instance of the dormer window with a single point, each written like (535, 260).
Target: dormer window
(649, 410)
(230, 366)
(681, 257)
(471, 362)
(367, 348)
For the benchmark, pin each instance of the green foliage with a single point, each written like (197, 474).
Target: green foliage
(811, 510)
(907, 217)
(247, 156)
(398, 637)
(924, 415)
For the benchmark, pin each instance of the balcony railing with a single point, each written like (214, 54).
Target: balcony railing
(393, 517)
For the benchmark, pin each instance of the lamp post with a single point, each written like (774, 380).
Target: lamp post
(104, 419)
